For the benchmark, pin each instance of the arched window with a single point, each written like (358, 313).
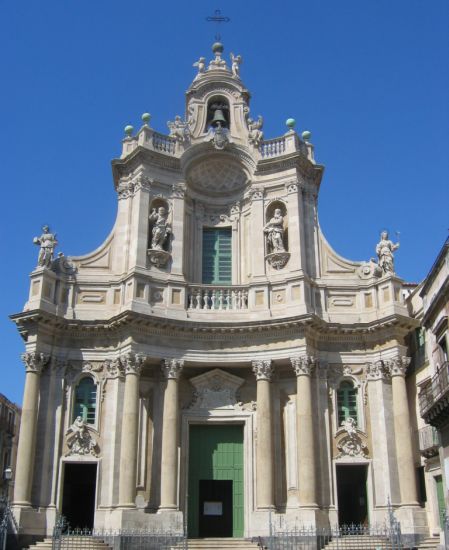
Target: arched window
(85, 400)
(346, 402)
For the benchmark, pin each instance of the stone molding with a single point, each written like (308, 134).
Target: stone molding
(216, 389)
(35, 361)
(131, 363)
(398, 366)
(171, 368)
(303, 364)
(263, 369)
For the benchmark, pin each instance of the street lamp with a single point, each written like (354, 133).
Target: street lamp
(7, 476)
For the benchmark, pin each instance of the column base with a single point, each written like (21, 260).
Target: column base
(126, 506)
(413, 520)
(167, 508)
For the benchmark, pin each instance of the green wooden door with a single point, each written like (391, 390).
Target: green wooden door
(216, 452)
(440, 499)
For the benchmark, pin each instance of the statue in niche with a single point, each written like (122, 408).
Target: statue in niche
(179, 129)
(274, 230)
(384, 251)
(236, 61)
(255, 135)
(201, 64)
(161, 229)
(47, 242)
(79, 440)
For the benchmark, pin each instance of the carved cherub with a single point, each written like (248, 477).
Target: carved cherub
(350, 426)
(255, 134)
(236, 61)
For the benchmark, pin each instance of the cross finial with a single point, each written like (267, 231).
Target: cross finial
(217, 18)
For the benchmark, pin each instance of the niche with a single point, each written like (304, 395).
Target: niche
(276, 235)
(217, 113)
(159, 233)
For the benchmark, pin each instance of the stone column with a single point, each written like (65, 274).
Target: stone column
(263, 369)
(401, 415)
(132, 365)
(34, 363)
(171, 368)
(303, 365)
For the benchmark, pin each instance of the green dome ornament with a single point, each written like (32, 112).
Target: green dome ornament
(146, 117)
(217, 48)
(306, 135)
(290, 123)
(129, 130)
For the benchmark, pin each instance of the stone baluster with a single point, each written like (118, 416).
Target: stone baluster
(263, 369)
(132, 365)
(171, 369)
(303, 365)
(403, 436)
(34, 363)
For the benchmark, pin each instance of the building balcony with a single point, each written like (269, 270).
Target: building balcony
(434, 398)
(429, 441)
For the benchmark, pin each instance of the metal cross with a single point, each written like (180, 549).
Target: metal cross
(217, 18)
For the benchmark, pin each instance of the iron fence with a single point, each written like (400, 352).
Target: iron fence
(65, 538)
(446, 530)
(8, 524)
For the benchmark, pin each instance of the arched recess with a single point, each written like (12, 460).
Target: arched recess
(272, 211)
(348, 401)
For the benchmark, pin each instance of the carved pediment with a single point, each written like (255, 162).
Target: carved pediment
(215, 389)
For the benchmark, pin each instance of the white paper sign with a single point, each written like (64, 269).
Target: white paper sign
(213, 508)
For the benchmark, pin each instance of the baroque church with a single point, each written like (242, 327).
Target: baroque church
(215, 364)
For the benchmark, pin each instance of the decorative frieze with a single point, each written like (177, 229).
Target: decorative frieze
(34, 361)
(171, 368)
(216, 389)
(263, 369)
(303, 364)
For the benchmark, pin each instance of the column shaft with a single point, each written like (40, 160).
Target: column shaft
(265, 485)
(169, 461)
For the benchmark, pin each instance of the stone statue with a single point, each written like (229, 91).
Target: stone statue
(384, 251)
(179, 129)
(275, 232)
(47, 242)
(236, 61)
(255, 135)
(350, 426)
(160, 230)
(201, 64)
(79, 440)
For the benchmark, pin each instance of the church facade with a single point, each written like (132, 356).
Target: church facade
(215, 363)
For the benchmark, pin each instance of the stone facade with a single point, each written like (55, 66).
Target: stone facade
(273, 349)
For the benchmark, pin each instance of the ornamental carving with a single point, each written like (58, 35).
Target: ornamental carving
(34, 361)
(114, 368)
(398, 366)
(256, 194)
(131, 363)
(263, 369)
(351, 444)
(171, 368)
(216, 389)
(303, 364)
(80, 440)
(377, 371)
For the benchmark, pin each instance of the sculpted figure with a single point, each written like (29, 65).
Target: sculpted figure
(236, 61)
(275, 232)
(349, 426)
(79, 440)
(201, 64)
(255, 135)
(47, 242)
(384, 251)
(179, 129)
(161, 229)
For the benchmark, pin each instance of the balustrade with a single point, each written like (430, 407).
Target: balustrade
(435, 390)
(272, 147)
(163, 143)
(217, 298)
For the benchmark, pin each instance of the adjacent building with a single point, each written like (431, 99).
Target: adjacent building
(215, 357)
(9, 431)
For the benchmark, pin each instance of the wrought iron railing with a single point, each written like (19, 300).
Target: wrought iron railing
(435, 389)
(446, 530)
(65, 538)
(429, 441)
(219, 298)
(8, 523)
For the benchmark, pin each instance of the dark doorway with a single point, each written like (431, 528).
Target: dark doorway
(78, 498)
(215, 508)
(351, 492)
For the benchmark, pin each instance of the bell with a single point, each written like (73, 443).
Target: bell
(218, 117)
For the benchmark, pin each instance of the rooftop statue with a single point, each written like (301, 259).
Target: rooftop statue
(47, 242)
(275, 232)
(236, 61)
(160, 230)
(179, 129)
(201, 64)
(255, 135)
(384, 251)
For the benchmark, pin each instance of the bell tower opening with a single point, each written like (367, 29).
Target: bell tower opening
(217, 113)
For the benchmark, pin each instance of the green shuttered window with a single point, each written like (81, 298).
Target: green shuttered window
(217, 256)
(347, 402)
(85, 400)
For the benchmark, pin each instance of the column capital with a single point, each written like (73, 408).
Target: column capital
(171, 368)
(131, 363)
(398, 365)
(263, 369)
(34, 361)
(303, 364)
(376, 371)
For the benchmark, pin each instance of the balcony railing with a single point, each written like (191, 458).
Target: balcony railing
(218, 298)
(435, 391)
(272, 147)
(429, 441)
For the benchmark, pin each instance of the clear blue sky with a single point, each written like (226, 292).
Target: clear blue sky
(369, 78)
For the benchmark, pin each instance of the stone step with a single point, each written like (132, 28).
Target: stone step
(358, 542)
(221, 544)
(83, 543)
(430, 543)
